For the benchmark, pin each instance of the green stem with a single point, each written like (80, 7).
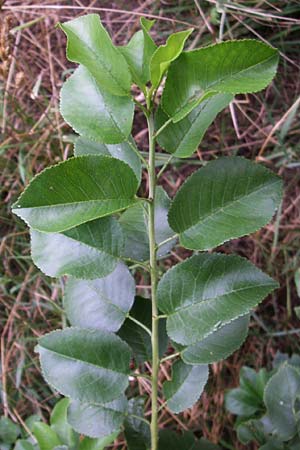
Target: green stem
(153, 273)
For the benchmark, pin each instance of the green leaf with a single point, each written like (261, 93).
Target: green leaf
(182, 139)
(97, 444)
(23, 444)
(101, 303)
(9, 431)
(207, 291)
(233, 67)
(137, 432)
(228, 198)
(59, 423)
(186, 386)
(219, 344)
(94, 112)
(134, 222)
(138, 53)
(122, 151)
(73, 365)
(76, 191)
(88, 251)
(89, 44)
(251, 430)
(138, 338)
(247, 400)
(169, 440)
(165, 54)
(275, 444)
(280, 396)
(46, 436)
(96, 420)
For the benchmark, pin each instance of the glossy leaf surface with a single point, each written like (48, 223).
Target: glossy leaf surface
(232, 67)
(165, 54)
(96, 420)
(97, 444)
(138, 53)
(73, 365)
(206, 292)
(76, 191)
(101, 303)
(90, 45)
(183, 138)
(134, 223)
(88, 251)
(59, 423)
(228, 198)
(186, 385)
(94, 112)
(45, 436)
(280, 397)
(123, 151)
(138, 338)
(219, 344)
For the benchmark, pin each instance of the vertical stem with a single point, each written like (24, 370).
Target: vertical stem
(153, 273)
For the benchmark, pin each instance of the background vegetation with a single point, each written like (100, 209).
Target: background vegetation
(264, 127)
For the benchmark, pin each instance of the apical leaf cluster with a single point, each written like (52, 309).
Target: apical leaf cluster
(88, 221)
(267, 405)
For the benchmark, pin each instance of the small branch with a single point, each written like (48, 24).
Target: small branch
(166, 241)
(137, 263)
(167, 358)
(164, 166)
(162, 127)
(140, 324)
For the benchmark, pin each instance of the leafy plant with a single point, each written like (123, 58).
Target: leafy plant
(38, 435)
(267, 405)
(87, 222)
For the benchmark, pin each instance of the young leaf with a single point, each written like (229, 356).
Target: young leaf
(182, 139)
(232, 67)
(186, 386)
(138, 53)
(138, 338)
(101, 303)
(23, 444)
(94, 112)
(88, 251)
(137, 432)
(97, 444)
(97, 420)
(9, 431)
(228, 198)
(59, 423)
(123, 151)
(90, 45)
(76, 191)
(169, 440)
(219, 344)
(134, 223)
(73, 365)
(45, 436)
(165, 54)
(207, 291)
(280, 397)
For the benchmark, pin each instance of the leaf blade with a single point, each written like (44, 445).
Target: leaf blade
(208, 291)
(89, 44)
(71, 363)
(55, 202)
(237, 197)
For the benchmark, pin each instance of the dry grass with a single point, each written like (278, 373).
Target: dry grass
(264, 126)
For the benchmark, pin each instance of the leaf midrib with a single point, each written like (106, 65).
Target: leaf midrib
(82, 361)
(99, 59)
(182, 308)
(216, 211)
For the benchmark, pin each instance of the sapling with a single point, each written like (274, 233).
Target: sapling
(88, 223)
